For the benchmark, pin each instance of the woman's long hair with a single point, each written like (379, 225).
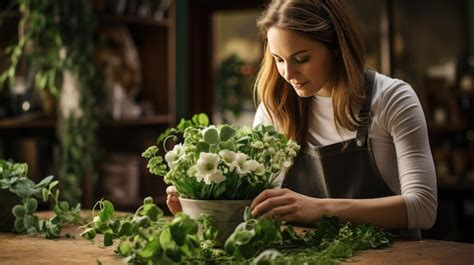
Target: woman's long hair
(329, 22)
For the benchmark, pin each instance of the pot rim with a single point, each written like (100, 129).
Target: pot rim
(236, 201)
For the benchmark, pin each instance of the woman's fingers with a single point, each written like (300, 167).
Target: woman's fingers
(172, 200)
(173, 204)
(267, 194)
(171, 190)
(283, 213)
(272, 202)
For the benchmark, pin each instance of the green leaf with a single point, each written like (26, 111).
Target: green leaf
(108, 239)
(202, 147)
(228, 145)
(211, 136)
(45, 194)
(152, 211)
(19, 225)
(19, 211)
(125, 248)
(150, 248)
(88, 234)
(53, 184)
(226, 133)
(177, 233)
(107, 210)
(148, 200)
(125, 229)
(23, 188)
(28, 221)
(200, 119)
(166, 239)
(44, 182)
(31, 205)
(64, 205)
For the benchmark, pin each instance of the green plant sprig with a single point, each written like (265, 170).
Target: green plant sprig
(147, 237)
(13, 176)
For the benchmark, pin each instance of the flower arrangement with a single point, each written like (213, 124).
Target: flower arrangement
(221, 162)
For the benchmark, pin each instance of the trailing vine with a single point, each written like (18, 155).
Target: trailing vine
(55, 44)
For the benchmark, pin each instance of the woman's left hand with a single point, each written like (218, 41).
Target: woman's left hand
(286, 205)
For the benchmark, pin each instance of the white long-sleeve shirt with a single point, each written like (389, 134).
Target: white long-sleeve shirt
(399, 140)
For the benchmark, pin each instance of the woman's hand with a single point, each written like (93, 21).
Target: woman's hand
(172, 200)
(286, 205)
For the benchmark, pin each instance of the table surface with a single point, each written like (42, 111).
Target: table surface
(22, 249)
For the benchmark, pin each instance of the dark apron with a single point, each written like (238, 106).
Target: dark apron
(345, 169)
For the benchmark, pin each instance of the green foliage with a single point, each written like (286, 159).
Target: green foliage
(255, 241)
(145, 236)
(233, 84)
(223, 161)
(13, 176)
(56, 37)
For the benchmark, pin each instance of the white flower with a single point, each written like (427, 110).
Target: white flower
(214, 178)
(228, 157)
(172, 157)
(239, 162)
(206, 168)
(254, 166)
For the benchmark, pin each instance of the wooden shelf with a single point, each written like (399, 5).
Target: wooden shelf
(30, 122)
(145, 121)
(35, 122)
(145, 21)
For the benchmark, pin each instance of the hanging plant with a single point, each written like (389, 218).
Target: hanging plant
(55, 41)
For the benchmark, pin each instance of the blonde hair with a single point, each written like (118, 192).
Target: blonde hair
(326, 21)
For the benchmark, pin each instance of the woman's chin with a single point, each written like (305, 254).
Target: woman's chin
(303, 93)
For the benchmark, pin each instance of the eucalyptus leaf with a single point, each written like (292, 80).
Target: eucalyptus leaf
(226, 133)
(202, 147)
(211, 136)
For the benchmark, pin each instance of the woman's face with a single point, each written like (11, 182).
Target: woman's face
(304, 63)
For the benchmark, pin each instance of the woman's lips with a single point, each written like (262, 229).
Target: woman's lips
(299, 85)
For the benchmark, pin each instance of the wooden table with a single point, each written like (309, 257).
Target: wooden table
(21, 249)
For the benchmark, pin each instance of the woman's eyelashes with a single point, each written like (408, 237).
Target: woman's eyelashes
(301, 59)
(298, 60)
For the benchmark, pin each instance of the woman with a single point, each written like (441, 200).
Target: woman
(365, 153)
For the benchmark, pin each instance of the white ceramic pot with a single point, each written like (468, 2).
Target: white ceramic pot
(227, 213)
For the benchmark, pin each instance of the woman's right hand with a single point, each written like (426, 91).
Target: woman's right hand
(172, 200)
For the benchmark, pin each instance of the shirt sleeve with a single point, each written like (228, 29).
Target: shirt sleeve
(403, 118)
(262, 116)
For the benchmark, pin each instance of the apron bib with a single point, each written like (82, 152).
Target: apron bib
(343, 170)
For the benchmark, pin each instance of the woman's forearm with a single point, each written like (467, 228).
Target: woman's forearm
(387, 212)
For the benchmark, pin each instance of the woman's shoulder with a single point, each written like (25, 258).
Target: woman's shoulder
(389, 91)
(394, 101)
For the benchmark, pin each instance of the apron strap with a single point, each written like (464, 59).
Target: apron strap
(365, 116)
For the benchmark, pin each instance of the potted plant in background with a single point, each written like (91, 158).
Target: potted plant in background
(55, 50)
(219, 169)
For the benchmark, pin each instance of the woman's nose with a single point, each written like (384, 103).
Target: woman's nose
(289, 72)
